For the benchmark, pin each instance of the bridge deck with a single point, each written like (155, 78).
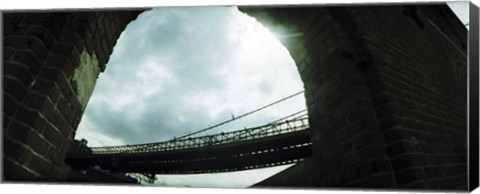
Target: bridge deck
(249, 154)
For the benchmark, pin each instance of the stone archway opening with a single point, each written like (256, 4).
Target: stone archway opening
(380, 114)
(178, 70)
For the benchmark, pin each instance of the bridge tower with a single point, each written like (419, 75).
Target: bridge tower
(385, 90)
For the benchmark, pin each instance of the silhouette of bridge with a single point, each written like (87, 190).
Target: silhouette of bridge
(283, 141)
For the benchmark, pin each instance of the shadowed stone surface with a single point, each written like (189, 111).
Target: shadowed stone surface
(385, 89)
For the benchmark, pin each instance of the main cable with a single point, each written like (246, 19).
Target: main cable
(241, 116)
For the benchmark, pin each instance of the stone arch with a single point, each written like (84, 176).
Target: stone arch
(51, 62)
(372, 125)
(331, 59)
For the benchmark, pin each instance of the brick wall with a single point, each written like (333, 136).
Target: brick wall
(385, 91)
(348, 147)
(417, 79)
(41, 52)
(386, 95)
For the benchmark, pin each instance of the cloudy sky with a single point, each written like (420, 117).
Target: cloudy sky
(178, 70)
(461, 9)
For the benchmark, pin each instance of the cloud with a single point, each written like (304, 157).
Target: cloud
(177, 70)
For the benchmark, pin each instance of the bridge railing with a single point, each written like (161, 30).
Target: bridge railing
(272, 129)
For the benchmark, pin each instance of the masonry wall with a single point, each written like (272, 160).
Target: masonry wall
(50, 65)
(418, 83)
(396, 78)
(348, 147)
(385, 91)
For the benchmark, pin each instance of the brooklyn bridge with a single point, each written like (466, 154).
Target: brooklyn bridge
(385, 89)
(283, 141)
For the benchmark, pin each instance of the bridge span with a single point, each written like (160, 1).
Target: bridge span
(277, 143)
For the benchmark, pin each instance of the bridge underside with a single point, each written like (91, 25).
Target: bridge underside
(258, 153)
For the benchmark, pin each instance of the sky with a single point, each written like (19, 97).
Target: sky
(461, 9)
(178, 70)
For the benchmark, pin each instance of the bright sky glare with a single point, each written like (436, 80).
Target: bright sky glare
(178, 70)
(461, 9)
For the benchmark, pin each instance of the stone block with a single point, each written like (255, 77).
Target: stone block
(42, 34)
(40, 164)
(29, 59)
(408, 176)
(409, 160)
(9, 104)
(17, 172)
(54, 137)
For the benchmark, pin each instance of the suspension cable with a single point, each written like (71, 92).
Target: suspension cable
(290, 116)
(241, 116)
(230, 120)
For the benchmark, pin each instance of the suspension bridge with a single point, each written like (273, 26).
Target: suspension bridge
(282, 141)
